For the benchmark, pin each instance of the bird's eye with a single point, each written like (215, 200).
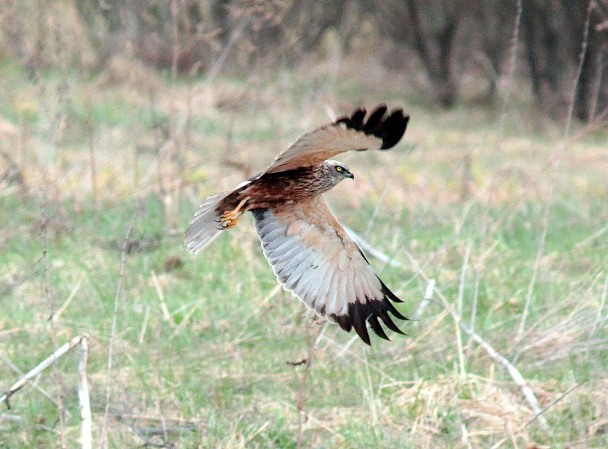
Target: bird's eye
(339, 169)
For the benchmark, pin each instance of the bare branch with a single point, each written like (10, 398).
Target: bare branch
(83, 395)
(61, 351)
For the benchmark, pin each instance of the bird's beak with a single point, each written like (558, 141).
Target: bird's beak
(351, 176)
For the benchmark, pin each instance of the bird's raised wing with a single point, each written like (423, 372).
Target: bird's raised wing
(315, 259)
(380, 131)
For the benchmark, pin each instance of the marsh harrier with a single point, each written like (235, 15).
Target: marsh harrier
(311, 254)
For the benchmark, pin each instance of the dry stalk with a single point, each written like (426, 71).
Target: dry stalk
(511, 369)
(599, 318)
(463, 273)
(592, 237)
(67, 302)
(43, 392)
(300, 399)
(50, 360)
(539, 255)
(83, 395)
(162, 150)
(51, 304)
(117, 294)
(92, 154)
(83, 389)
(512, 66)
(538, 415)
(161, 297)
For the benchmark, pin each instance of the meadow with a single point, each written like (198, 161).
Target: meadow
(489, 220)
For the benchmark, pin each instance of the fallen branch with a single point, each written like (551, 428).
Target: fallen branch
(83, 389)
(62, 350)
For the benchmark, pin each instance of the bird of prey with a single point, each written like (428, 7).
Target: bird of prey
(311, 254)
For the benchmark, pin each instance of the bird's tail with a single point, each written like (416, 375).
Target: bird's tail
(206, 224)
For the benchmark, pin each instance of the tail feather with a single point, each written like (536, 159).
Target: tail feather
(204, 227)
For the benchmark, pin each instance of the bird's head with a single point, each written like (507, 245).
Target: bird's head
(337, 171)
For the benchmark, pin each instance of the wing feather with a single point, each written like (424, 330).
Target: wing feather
(381, 131)
(315, 259)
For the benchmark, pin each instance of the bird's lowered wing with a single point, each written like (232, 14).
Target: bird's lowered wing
(315, 259)
(381, 131)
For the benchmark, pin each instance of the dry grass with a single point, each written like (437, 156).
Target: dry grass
(510, 223)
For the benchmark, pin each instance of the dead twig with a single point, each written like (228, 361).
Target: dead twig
(117, 294)
(539, 256)
(300, 400)
(83, 395)
(61, 351)
(50, 298)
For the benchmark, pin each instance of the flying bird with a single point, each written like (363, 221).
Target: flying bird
(310, 253)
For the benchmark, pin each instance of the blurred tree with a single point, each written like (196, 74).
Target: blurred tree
(589, 20)
(450, 37)
(162, 33)
(556, 34)
(429, 27)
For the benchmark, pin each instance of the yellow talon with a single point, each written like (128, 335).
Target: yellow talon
(231, 217)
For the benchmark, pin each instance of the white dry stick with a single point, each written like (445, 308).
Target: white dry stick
(463, 275)
(428, 295)
(43, 392)
(67, 302)
(41, 367)
(163, 305)
(83, 395)
(513, 371)
(592, 237)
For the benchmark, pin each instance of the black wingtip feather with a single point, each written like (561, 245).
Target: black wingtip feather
(358, 320)
(369, 311)
(390, 128)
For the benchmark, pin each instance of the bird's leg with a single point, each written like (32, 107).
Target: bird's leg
(231, 217)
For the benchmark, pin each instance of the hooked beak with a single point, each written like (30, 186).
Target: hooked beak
(350, 175)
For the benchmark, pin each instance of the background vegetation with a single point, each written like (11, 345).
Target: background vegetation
(118, 118)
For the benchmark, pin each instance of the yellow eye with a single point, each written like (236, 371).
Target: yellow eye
(338, 169)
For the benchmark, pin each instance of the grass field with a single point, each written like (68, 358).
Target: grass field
(496, 206)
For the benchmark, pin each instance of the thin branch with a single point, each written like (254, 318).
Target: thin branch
(512, 67)
(600, 310)
(463, 273)
(208, 80)
(300, 396)
(579, 71)
(117, 294)
(50, 298)
(83, 395)
(43, 392)
(539, 256)
(61, 351)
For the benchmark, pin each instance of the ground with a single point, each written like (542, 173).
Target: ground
(504, 209)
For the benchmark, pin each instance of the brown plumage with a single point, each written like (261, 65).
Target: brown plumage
(309, 251)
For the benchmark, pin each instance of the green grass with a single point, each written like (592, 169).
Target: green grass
(205, 348)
